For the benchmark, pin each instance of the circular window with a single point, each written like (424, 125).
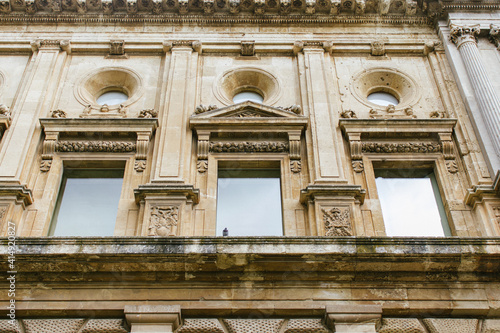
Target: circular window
(111, 86)
(248, 96)
(382, 98)
(380, 87)
(248, 80)
(112, 97)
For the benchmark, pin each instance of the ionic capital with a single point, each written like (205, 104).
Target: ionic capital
(461, 34)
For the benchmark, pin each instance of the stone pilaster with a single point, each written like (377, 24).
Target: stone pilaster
(465, 38)
(174, 153)
(48, 62)
(317, 101)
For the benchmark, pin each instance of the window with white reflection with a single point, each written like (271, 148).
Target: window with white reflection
(382, 98)
(248, 96)
(112, 98)
(410, 202)
(249, 202)
(87, 204)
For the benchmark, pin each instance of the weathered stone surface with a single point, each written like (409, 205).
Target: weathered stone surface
(451, 325)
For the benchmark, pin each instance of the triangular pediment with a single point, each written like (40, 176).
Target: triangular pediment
(249, 109)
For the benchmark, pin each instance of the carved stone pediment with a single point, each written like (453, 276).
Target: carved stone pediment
(248, 109)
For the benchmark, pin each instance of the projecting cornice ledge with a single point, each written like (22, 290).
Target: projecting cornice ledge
(224, 259)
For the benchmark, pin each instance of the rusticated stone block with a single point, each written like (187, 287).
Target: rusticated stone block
(398, 325)
(9, 326)
(209, 325)
(451, 325)
(104, 326)
(305, 326)
(52, 325)
(253, 325)
(491, 326)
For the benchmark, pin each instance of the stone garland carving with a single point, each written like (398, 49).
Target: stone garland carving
(495, 35)
(163, 221)
(95, 146)
(248, 147)
(58, 114)
(337, 222)
(348, 114)
(410, 147)
(202, 108)
(247, 114)
(297, 109)
(148, 113)
(5, 111)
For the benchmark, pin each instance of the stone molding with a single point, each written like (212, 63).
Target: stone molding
(478, 193)
(422, 136)
(142, 128)
(185, 191)
(354, 318)
(21, 193)
(313, 192)
(153, 318)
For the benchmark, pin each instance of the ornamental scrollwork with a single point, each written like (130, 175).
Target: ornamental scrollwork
(4, 110)
(202, 108)
(163, 221)
(95, 146)
(411, 147)
(148, 113)
(295, 166)
(297, 109)
(337, 222)
(248, 147)
(348, 114)
(58, 114)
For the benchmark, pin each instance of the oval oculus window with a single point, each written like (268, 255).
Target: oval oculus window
(112, 98)
(248, 96)
(382, 98)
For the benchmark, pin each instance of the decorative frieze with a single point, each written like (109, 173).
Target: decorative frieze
(142, 128)
(94, 147)
(407, 147)
(163, 221)
(5, 6)
(337, 221)
(248, 147)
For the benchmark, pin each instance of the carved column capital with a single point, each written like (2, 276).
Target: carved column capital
(51, 44)
(172, 44)
(495, 35)
(461, 34)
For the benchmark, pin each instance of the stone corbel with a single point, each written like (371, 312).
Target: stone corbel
(203, 145)
(19, 194)
(310, 7)
(377, 48)
(208, 6)
(30, 6)
(131, 6)
(446, 141)
(107, 6)
(142, 148)
(294, 151)
(116, 48)
(48, 150)
(285, 6)
(354, 318)
(234, 6)
(356, 151)
(360, 6)
(81, 6)
(494, 35)
(411, 7)
(157, 6)
(153, 318)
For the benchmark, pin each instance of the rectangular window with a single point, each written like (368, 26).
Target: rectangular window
(410, 202)
(249, 202)
(88, 202)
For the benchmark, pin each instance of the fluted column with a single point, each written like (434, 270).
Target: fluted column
(465, 39)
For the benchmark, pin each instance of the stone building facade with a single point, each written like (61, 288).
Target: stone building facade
(164, 267)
